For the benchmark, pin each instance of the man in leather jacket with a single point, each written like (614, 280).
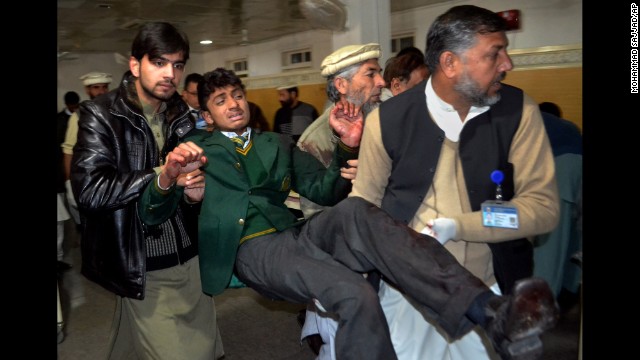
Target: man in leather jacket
(154, 270)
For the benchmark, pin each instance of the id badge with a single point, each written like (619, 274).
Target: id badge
(499, 214)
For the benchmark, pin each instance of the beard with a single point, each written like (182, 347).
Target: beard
(369, 107)
(358, 99)
(149, 90)
(286, 103)
(473, 93)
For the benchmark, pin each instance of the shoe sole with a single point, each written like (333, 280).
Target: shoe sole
(534, 298)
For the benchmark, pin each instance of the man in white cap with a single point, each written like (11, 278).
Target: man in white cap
(353, 76)
(95, 84)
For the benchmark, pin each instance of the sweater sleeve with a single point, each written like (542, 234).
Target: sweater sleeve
(536, 191)
(374, 164)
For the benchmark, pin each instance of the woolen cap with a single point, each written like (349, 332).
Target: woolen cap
(347, 56)
(95, 78)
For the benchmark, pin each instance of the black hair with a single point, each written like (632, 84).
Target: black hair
(456, 31)
(411, 50)
(402, 66)
(216, 79)
(192, 78)
(71, 98)
(551, 108)
(293, 89)
(158, 38)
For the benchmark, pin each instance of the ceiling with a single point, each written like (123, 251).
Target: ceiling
(86, 26)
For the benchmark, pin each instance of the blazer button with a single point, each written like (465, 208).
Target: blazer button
(241, 222)
(432, 170)
(237, 165)
(441, 138)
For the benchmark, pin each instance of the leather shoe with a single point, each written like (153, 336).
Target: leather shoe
(517, 321)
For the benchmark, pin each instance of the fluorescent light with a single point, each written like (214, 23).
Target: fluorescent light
(206, 42)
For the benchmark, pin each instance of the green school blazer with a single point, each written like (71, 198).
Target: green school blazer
(221, 222)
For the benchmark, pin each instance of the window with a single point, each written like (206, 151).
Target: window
(239, 66)
(296, 59)
(400, 42)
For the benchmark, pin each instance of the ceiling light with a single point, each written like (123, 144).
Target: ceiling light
(206, 42)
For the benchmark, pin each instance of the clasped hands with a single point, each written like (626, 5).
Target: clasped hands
(182, 167)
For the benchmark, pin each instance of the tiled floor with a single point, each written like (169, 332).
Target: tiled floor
(252, 327)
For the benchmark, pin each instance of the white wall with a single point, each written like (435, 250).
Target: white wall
(542, 23)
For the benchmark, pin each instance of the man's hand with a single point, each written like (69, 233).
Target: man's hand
(443, 229)
(183, 159)
(349, 172)
(347, 124)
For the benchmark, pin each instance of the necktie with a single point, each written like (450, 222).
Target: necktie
(239, 141)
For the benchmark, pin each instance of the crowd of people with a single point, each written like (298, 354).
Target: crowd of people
(181, 196)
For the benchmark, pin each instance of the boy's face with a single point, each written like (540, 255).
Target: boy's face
(228, 109)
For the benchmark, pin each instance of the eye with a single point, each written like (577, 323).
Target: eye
(159, 63)
(179, 66)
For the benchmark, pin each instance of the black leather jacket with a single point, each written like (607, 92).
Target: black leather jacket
(113, 162)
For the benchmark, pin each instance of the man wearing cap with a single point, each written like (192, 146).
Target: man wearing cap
(95, 84)
(294, 116)
(353, 76)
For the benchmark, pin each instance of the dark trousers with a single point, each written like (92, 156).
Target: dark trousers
(325, 257)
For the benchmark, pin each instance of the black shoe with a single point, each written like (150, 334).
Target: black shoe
(517, 321)
(63, 266)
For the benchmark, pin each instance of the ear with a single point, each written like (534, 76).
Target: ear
(449, 63)
(341, 85)
(395, 83)
(134, 66)
(206, 115)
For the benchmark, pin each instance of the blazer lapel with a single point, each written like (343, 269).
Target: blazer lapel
(265, 149)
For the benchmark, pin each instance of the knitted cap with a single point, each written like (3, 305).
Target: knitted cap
(347, 56)
(95, 78)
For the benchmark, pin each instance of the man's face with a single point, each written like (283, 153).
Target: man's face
(484, 66)
(96, 90)
(190, 95)
(228, 109)
(284, 96)
(158, 78)
(365, 86)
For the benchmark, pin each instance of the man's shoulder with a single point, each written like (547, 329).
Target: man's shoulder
(318, 128)
(303, 104)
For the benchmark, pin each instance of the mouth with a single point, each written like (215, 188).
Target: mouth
(166, 85)
(236, 117)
